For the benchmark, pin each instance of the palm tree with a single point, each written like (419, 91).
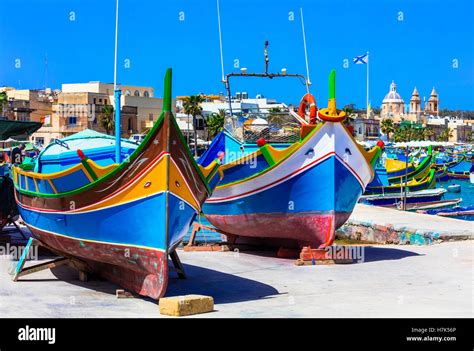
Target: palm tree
(215, 123)
(191, 106)
(446, 134)
(428, 133)
(3, 101)
(106, 118)
(387, 127)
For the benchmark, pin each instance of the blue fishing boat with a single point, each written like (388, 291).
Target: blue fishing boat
(287, 193)
(123, 220)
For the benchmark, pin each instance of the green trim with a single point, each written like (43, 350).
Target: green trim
(167, 93)
(268, 156)
(376, 157)
(89, 169)
(332, 84)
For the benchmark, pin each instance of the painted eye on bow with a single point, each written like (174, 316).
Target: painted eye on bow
(177, 184)
(348, 151)
(309, 152)
(147, 184)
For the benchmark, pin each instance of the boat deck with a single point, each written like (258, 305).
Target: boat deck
(385, 225)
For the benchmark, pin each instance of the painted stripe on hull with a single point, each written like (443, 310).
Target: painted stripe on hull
(327, 187)
(139, 270)
(139, 224)
(315, 229)
(306, 202)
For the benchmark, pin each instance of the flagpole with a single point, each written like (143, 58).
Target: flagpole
(367, 97)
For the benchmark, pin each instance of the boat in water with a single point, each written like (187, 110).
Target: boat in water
(464, 213)
(394, 199)
(297, 178)
(122, 220)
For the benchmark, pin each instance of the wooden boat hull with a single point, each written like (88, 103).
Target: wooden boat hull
(126, 223)
(305, 198)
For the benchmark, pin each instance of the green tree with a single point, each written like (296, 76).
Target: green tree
(215, 123)
(3, 101)
(106, 118)
(191, 106)
(428, 133)
(445, 135)
(387, 127)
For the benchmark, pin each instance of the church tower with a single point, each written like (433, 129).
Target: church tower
(415, 103)
(432, 106)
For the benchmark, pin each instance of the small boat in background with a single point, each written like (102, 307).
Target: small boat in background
(427, 195)
(464, 213)
(454, 188)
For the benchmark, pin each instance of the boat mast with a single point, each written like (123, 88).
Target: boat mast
(223, 78)
(117, 93)
(307, 81)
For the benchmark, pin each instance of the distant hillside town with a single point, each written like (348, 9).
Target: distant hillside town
(81, 106)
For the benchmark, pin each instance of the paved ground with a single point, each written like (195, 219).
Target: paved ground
(394, 281)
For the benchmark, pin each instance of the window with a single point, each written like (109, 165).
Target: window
(146, 94)
(137, 93)
(39, 140)
(100, 101)
(72, 121)
(128, 92)
(105, 102)
(130, 124)
(95, 100)
(150, 117)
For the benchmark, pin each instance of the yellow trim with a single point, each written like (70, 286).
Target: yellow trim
(52, 186)
(101, 171)
(278, 155)
(395, 165)
(206, 171)
(36, 185)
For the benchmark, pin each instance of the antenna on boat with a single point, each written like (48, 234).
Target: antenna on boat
(224, 78)
(308, 81)
(117, 93)
(220, 41)
(265, 52)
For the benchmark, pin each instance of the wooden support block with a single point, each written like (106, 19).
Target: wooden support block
(83, 276)
(186, 305)
(123, 294)
(326, 262)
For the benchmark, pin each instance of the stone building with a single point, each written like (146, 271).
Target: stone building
(392, 105)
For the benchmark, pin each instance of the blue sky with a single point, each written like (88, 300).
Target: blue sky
(417, 50)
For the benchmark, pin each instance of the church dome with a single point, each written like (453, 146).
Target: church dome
(393, 96)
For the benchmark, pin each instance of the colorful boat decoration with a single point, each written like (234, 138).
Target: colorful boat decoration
(396, 168)
(420, 171)
(428, 182)
(122, 220)
(299, 194)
